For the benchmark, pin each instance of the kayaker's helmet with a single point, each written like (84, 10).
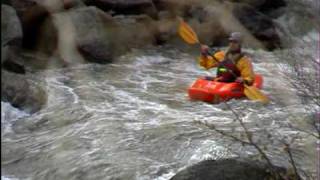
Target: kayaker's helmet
(236, 37)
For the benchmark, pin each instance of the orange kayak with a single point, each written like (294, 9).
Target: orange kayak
(213, 91)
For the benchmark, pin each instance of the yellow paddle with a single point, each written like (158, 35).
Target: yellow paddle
(189, 36)
(187, 33)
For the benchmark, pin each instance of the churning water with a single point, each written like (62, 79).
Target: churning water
(132, 119)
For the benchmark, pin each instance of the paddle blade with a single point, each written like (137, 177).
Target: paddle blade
(187, 33)
(254, 93)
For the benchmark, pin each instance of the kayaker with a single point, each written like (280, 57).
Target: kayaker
(232, 65)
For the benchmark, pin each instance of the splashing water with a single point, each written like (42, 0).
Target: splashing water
(133, 120)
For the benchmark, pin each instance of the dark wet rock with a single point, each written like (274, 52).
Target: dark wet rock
(225, 169)
(263, 5)
(21, 93)
(34, 61)
(199, 13)
(18, 60)
(134, 32)
(92, 36)
(32, 16)
(36, 18)
(52, 6)
(96, 52)
(270, 6)
(11, 39)
(13, 66)
(125, 6)
(175, 8)
(260, 25)
(8, 62)
(253, 3)
(7, 2)
(65, 116)
(100, 37)
(88, 34)
(68, 35)
(11, 31)
(68, 4)
(47, 41)
(211, 24)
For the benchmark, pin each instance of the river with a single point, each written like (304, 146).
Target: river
(132, 119)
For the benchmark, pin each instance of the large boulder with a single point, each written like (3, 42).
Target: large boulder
(11, 31)
(35, 16)
(52, 6)
(175, 7)
(88, 34)
(31, 61)
(134, 32)
(92, 38)
(261, 26)
(21, 93)
(32, 16)
(11, 39)
(10, 63)
(95, 36)
(269, 6)
(125, 6)
(226, 169)
(98, 52)
(7, 2)
(263, 5)
(83, 35)
(272, 8)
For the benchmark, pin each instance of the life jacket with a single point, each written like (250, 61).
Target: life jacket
(227, 70)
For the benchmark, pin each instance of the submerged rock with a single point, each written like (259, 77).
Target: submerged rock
(97, 52)
(21, 93)
(9, 63)
(225, 169)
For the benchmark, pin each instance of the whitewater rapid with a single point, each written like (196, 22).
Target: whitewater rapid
(132, 119)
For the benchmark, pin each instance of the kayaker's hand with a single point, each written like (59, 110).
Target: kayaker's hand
(217, 79)
(204, 50)
(242, 81)
(209, 78)
(239, 80)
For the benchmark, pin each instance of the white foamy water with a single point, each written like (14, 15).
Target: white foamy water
(9, 114)
(133, 120)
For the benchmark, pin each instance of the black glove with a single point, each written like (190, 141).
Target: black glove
(209, 78)
(212, 51)
(204, 51)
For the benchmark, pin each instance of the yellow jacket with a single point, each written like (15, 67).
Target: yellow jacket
(243, 64)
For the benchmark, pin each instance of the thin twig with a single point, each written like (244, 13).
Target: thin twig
(252, 143)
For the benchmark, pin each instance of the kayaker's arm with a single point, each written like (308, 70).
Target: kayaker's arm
(246, 70)
(207, 61)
